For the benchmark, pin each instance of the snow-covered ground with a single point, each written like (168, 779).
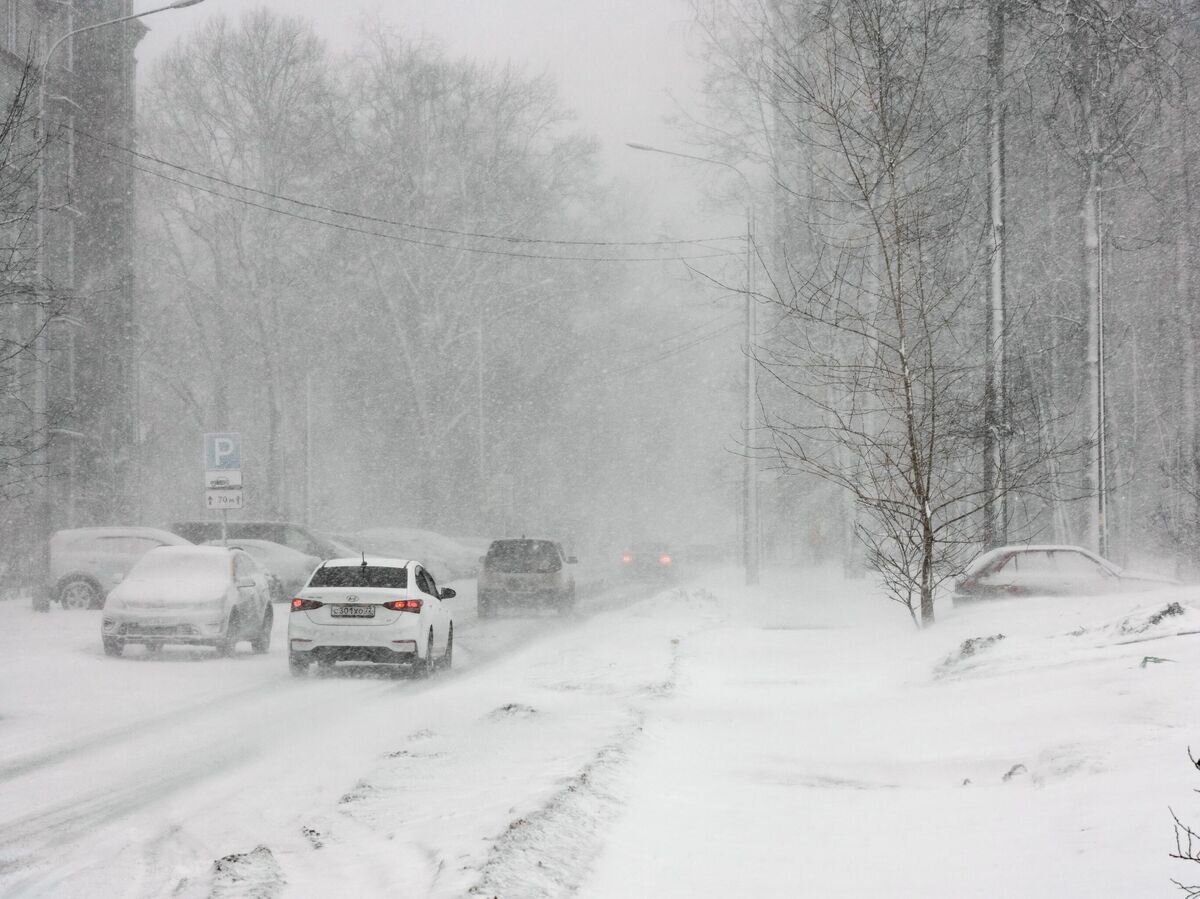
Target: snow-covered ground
(700, 740)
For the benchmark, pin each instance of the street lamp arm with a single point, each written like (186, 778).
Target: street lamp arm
(750, 539)
(633, 145)
(178, 4)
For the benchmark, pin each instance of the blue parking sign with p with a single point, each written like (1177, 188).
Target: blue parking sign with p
(223, 452)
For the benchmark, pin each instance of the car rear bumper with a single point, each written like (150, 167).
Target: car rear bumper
(403, 654)
(524, 597)
(396, 638)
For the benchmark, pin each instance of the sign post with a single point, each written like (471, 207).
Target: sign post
(223, 475)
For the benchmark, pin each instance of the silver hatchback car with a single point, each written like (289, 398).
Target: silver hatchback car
(85, 563)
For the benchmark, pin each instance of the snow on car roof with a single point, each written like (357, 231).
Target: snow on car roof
(191, 549)
(981, 561)
(119, 531)
(372, 562)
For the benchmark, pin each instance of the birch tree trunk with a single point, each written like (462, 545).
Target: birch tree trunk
(995, 514)
(1090, 217)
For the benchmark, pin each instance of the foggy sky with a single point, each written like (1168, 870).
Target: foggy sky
(622, 65)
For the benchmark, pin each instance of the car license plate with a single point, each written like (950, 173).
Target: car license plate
(352, 611)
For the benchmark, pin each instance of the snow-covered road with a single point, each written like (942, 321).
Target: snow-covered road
(696, 741)
(132, 776)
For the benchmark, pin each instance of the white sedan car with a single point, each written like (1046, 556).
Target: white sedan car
(372, 609)
(197, 595)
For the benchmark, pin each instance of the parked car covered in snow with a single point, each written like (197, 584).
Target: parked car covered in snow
(85, 563)
(528, 573)
(195, 595)
(372, 609)
(295, 536)
(1046, 571)
(289, 569)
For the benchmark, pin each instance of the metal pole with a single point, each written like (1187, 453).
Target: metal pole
(750, 550)
(308, 453)
(1101, 410)
(41, 352)
(750, 523)
(480, 435)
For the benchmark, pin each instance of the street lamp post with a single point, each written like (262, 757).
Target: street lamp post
(41, 336)
(750, 536)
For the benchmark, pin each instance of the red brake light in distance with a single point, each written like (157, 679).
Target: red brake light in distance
(626, 558)
(664, 559)
(404, 605)
(305, 605)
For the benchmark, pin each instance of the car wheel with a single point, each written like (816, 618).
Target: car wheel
(448, 657)
(113, 646)
(298, 664)
(262, 640)
(79, 593)
(228, 643)
(425, 666)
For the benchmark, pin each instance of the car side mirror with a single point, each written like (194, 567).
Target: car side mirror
(572, 560)
(448, 593)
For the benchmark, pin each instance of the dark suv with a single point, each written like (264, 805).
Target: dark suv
(527, 573)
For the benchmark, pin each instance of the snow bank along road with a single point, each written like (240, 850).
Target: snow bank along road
(796, 740)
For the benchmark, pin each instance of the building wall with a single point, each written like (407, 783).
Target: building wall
(88, 238)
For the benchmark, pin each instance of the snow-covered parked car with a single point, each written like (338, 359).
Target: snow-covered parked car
(196, 595)
(1047, 571)
(371, 609)
(288, 569)
(85, 563)
(297, 536)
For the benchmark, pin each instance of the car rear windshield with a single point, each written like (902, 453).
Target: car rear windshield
(523, 555)
(359, 576)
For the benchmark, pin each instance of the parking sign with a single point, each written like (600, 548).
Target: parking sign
(223, 472)
(223, 451)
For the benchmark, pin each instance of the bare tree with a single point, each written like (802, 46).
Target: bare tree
(880, 348)
(255, 105)
(1105, 59)
(29, 302)
(995, 424)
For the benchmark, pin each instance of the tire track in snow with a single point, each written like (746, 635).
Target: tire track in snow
(550, 853)
(27, 764)
(35, 858)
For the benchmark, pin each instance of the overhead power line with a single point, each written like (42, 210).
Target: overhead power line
(378, 220)
(464, 248)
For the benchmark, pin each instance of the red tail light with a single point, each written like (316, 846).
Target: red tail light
(305, 605)
(627, 558)
(404, 605)
(664, 559)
